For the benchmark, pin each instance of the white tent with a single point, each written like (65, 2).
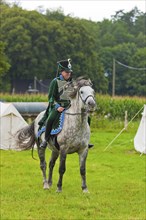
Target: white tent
(10, 122)
(140, 137)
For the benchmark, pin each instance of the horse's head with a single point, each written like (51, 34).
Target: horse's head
(83, 87)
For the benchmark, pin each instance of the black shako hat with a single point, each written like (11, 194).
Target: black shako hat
(65, 65)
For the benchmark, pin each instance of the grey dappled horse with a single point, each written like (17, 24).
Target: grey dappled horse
(74, 136)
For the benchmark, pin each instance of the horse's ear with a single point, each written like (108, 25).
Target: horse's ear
(74, 92)
(74, 84)
(90, 83)
(75, 88)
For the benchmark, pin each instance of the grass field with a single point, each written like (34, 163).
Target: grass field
(116, 180)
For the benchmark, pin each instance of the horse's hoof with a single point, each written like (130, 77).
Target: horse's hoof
(46, 186)
(49, 184)
(58, 190)
(85, 190)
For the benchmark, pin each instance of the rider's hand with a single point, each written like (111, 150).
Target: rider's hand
(60, 109)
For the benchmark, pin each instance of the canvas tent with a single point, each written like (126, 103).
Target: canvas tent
(140, 137)
(10, 122)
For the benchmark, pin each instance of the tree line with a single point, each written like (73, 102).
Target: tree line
(31, 43)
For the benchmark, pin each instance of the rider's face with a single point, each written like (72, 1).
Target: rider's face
(66, 75)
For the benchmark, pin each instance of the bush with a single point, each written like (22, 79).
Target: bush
(107, 107)
(23, 97)
(114, 108)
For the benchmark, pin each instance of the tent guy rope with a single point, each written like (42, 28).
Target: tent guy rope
(123, 129)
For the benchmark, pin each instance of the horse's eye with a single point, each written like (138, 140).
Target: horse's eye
(81, 92)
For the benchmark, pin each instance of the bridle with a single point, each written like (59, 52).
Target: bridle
(84, 101)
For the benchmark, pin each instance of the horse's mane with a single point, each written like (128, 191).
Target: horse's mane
(83, 81)
(78, 83)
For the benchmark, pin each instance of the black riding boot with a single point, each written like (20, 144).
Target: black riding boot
(47, 134)
(49, 123)
(90, 145)
(89, 122)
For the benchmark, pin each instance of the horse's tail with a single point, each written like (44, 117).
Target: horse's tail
(25, 137)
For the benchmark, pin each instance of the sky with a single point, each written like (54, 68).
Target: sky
(94, 10)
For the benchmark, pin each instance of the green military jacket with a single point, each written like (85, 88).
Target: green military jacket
(58, 95)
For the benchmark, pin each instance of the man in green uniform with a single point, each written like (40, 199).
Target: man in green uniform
(58, 98)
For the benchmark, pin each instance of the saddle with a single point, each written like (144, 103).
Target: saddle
(56, 129)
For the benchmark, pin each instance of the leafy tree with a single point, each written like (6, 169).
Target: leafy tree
(35, 41)
(4, 67)
(128, 79)
(55, 15)
(27, 43)
(4, 63)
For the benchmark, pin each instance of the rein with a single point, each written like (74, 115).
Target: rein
(77, 113)
(84, 112)
(84, 101)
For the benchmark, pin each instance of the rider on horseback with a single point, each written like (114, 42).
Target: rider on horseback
(58, 98)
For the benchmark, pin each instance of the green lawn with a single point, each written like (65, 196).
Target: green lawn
(115, 177)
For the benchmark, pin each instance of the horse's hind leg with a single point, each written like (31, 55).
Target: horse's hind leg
(82, 158)
(53, 159)
(62, 168)
(41, 153)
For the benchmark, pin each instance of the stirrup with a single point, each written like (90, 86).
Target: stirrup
(90, 145)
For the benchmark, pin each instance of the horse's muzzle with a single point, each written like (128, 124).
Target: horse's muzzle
(91, 103)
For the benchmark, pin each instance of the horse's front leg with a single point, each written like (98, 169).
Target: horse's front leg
(43, 164)
(62, 168)
(82, 159)
(53, 159)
